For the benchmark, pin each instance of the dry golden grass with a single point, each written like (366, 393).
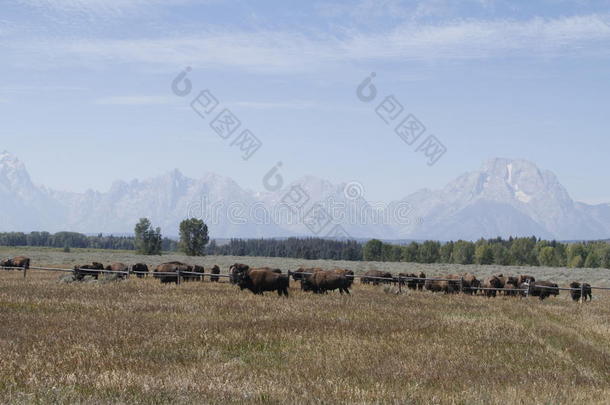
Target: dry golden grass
(138, 341)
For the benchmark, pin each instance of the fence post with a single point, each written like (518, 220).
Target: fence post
(178, 279)
(128, 272)
(527, 292)
(582, 292)
(399, 284)
(25, 270)
(461, 285)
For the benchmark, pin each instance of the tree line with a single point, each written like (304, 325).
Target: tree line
(76, 240)
(195, 241)
(503, 252)
(300, 248)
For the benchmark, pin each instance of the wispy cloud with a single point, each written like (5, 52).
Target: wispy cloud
(295, 105)
(136, 100)
(111, 7)
(282, 51)
(272, 105)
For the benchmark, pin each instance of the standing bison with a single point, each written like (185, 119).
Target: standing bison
(17, 261)
(260, 280)
(438, 284)
(215, 270)
(118, 269)
(164, 270)
(491, 284)
(327, 280)
(470, 284)
(140, 269)
(541, 289)
(580, 291)
(376, 277)
(239, 268)
(196, 269)
(349, 275)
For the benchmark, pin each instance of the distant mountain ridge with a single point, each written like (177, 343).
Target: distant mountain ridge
(503, 198)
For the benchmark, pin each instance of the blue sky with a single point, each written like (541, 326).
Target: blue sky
(85, 93)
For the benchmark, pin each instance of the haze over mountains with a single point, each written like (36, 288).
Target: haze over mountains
(503, 198)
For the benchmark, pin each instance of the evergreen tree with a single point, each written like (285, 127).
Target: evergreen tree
(373, 250)
(429, 252)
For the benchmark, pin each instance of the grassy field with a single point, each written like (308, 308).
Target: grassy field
(138, 341)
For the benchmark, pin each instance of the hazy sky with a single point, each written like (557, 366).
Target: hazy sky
(85, 88)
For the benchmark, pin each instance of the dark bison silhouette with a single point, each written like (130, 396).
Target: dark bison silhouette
(541, 289)
(583, 291)
(215, 270)
(139, 269)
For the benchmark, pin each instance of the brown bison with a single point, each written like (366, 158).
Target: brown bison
(17, 261)
(140, 269)
(170, 267)
(440, 284)
(376, 277)
(349, 275)
(580, 291)
(118, 267)
(455, 280)
(491, 284)
(541, 289)
(238, 269)
(92, 270)
(215, 270)
(196, 269)
(470, 284)
(412, 280)
(326, 280)
(260, 280)
(509, 283)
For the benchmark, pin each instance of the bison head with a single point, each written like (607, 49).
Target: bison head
(237, 271)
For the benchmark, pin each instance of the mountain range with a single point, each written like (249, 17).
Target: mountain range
(504, 197)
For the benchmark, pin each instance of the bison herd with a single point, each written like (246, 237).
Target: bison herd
(320, 281)
(166, 272)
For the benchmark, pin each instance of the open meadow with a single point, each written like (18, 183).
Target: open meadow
(138, 341)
